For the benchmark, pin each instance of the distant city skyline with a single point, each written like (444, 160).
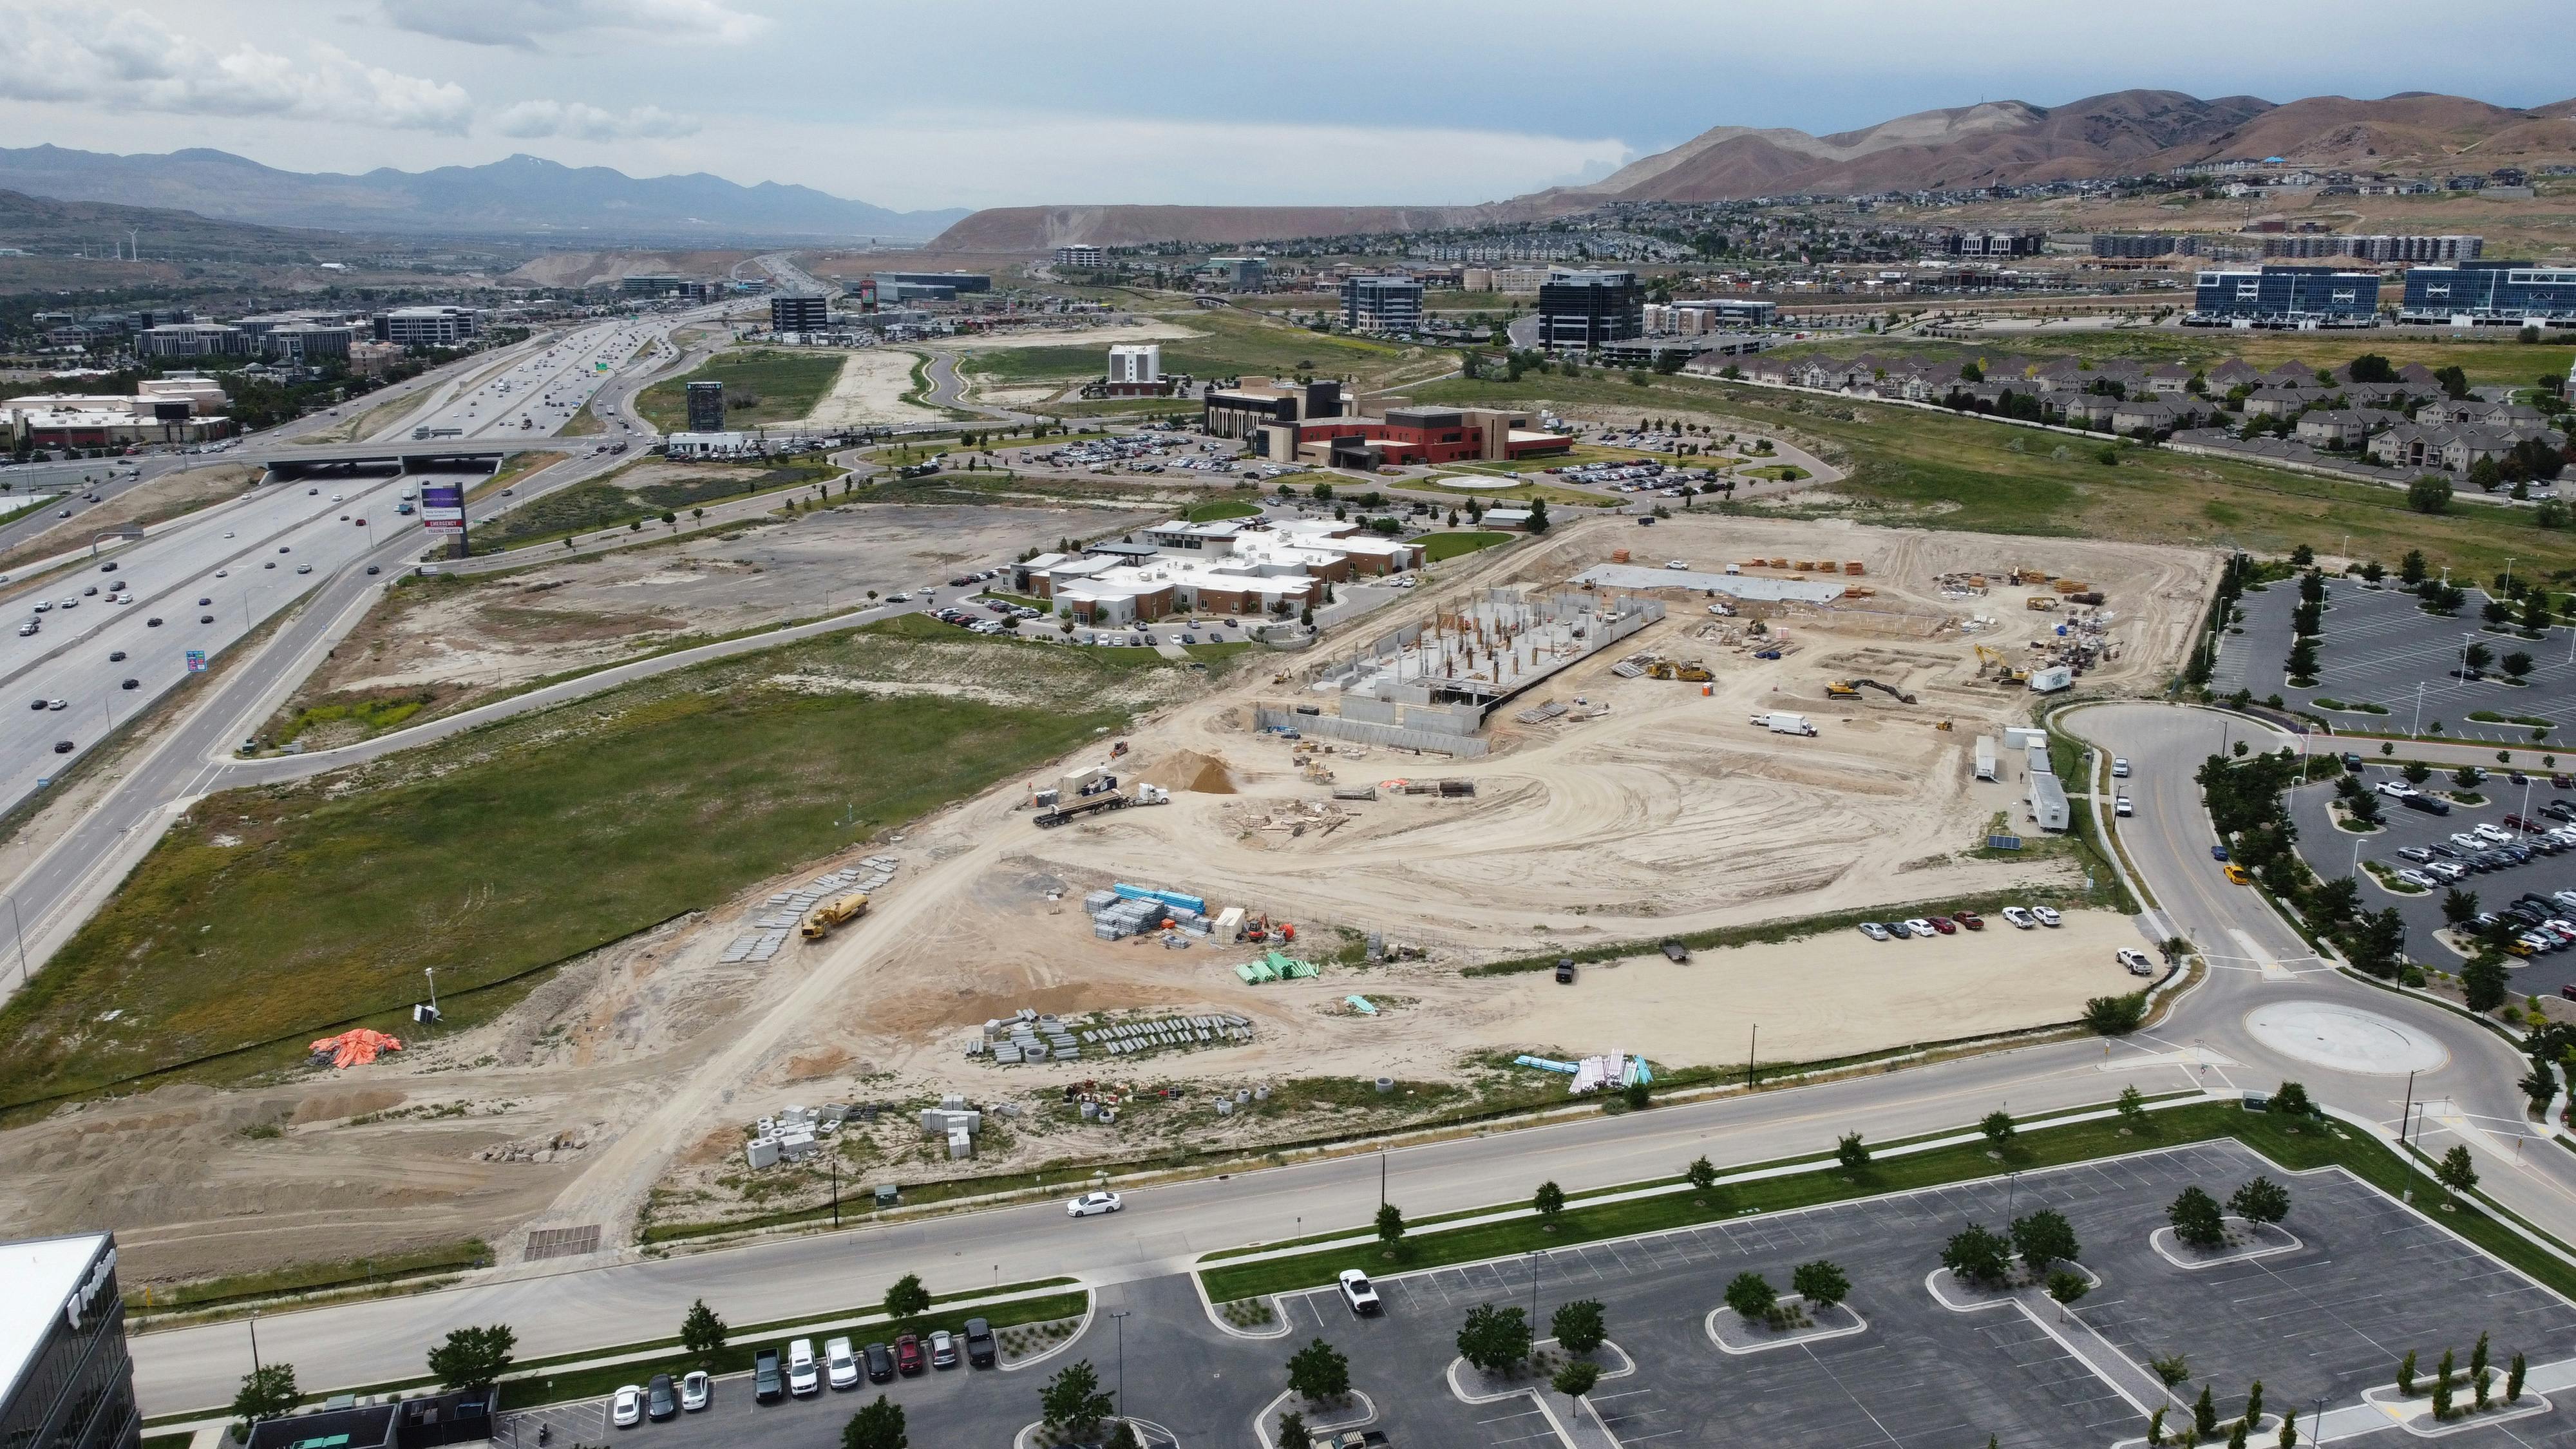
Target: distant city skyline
(1011, 102)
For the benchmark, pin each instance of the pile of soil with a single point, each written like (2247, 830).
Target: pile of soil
(1190, 770)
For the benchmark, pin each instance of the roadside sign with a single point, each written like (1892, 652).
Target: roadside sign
(196, 661)
(442, 507)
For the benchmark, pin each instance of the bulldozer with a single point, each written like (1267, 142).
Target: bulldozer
(1690, 670)
(833, 913)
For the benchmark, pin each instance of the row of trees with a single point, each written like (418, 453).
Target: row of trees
(2204, 1421)
(2446, 1381)
(2247, 808)
(2199, 1223)
(1980, 1256)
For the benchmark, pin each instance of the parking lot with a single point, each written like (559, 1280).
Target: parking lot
(2379, 645)
(2369, 1280)
(2329, 852)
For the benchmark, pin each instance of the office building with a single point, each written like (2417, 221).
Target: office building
(1082, 259)
(2503, 292)
(2134, 246)
(800, 314)
(69, 1382)
(1241, 274)
(1135, 370)
(1409, 435)
(1698, 316)
(372, 359)
(1243, 410)
(929, 286)
(194, 339)
(706, 406)
(459, 1416)
(1516, 280)
(1381, 304)
(2286, 297)
(662, 284)
(426, 326)
(308, 342)
(1584, 309)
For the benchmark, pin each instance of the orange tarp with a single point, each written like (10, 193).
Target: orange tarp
(356, 1048)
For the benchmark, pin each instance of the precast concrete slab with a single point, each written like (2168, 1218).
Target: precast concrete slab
(2344, 1038)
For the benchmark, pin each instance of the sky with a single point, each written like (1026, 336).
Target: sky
(970, 103)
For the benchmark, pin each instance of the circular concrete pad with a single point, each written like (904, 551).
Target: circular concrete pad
(2344, 1038)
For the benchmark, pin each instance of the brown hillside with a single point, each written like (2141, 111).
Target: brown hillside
(1041, 228)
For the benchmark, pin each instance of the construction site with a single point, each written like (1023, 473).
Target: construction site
(1548, 752)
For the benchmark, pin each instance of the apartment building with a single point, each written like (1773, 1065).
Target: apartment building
(2285, 297)
(800, 313)
(1082, 259)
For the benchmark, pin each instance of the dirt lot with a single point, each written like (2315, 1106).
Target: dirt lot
(871, 389)
(629, 1080)
(450, 643)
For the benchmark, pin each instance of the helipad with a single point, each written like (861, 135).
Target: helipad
(2344, 1038)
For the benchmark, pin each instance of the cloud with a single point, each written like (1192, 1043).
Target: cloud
(525, 23)
(65, 54)
(590, 123)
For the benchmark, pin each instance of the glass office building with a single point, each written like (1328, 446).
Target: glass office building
(1583, 310)
(1381, 304)
(62, 1341)
(2287, 297)
(2511, 293)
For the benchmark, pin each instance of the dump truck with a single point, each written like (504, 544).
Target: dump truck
(832, 913)
(1781, 723)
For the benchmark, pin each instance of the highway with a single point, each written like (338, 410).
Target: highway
(2465, 1085)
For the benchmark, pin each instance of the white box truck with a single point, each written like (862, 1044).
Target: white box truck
(1985, 757)
(1780, 723)
(2049, 681)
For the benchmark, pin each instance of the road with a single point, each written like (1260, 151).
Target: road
(2205, 1042)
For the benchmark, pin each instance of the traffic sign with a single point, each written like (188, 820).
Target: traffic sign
(196, 661)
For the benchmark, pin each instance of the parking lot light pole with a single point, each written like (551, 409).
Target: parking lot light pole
(1120, 1318)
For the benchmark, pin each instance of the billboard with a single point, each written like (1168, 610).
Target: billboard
(442, 507)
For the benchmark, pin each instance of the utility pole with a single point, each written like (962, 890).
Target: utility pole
(1120, 1318)
(1751, 1083)
(21, 933)
(2404, 1116)
(254, 1340)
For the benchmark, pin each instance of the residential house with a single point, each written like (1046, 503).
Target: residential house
(2273, 401)
(2170, 380)
(2234, 373)
(2344, 428)
(2159, 415)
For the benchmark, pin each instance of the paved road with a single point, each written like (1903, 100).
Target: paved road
(2205, 1043)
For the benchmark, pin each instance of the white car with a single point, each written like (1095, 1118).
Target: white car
(2046, 915)
(838, 1363)
(1678, 565)
(2495, 833)
(1920, 927)
(2136, 962)
(1093, 1203)
(1357, 1294)
(1873, 930)
(2019, 919)
(626, 1406)
(2394, 789)
(2120, 806)
(696, 1391)
(2416, 878)
(2119, 768)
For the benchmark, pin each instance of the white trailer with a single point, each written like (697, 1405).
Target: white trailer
(1986, 757)
(1780, 723)
(2051, 680)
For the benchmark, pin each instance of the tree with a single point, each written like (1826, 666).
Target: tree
(2457, 1171)
(2454, 381)
(1751, 1294)
(1122, 1435)
(907, 1298)
(2411, 570)
(2066, 1286)
(2132, 1106)
(2204, 1413)
(2253, 1402)
(2459, 907)
(2406, 1374)
(266, 1392)
(1576, 1378)
(1850, 1152)
(2482, 982)
(2196, 1219)
(1319, 1372)
(1978, 1255)
(1390, 1224)
(1537, 516)
(1073, 1400)
(1702, 1173)
(2476, 658)
(1292, 1431)
(1548, 1201)
(876, 1426)
(2044, 1237)
(2156, 1428)
(1998, 1127)
(702, 1333)
(1579, 1326)
(1636, 1096)
(1493, 1339)
(2517, 664)
(2513, 1376)
(1821, 1283)
(2429, 494)
(2113, 1015)
(2260, 1201)
(2292, 1098)
(473, 1358)
(2416, 772)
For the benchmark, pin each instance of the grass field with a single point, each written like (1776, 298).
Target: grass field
(519, 466)
(1238, 344)
(1222, 508)
(270, 914)
(2310, 1145)
(1936, 470)
(1437, 546)
(587, 507)
(2499, 361)
(786, 385)
(1525, 491)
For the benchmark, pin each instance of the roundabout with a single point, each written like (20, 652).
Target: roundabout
(2344, 1038)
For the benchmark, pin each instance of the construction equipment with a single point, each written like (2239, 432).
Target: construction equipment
(1084, 792)
(1943, 725)
(2068, 586)
(2040, 601)
(1839, 690)
(1851, 688)
(1690, 670)
(834, 913)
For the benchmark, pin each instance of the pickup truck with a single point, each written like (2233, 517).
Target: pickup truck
(768, 1383)
(979, 1343)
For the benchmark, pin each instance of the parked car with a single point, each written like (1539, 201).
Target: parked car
(2046, 915)
(2136, 962)
(1945, 925)
(1900, 930)
(660, 1402)
(840, 1366)
(1358, 1294)
(804, 1375)
(908, 1358)
(1969, 919)
(943, 1349)
(1874, 930)
(696, 1391)
(1093, 1203)
(2019, 919)
(880, 1364)
(2416, 878)
(626, 1406)
(979, 1343)
(2415, 853)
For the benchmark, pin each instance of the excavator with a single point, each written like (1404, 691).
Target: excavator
(1851, 688)
(2004, 671)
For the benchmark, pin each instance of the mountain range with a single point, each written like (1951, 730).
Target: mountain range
(2125, 133)
(521, 198)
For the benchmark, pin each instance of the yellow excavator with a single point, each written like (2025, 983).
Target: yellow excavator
(1851, 688)
(2004, 671)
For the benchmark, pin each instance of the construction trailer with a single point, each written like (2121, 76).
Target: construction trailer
(2048, 802)
(1986, 757)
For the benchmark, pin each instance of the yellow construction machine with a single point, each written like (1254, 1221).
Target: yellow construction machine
(834, 913)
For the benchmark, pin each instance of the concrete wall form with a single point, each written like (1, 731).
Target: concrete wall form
(1363, 732)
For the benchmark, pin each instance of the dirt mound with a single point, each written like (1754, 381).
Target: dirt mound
(1190, 770)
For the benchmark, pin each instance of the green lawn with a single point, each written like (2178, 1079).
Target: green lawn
(780, 386)
(2502, 360)
(1222, 508)
(1912, 467)
(2311, 1145)
(1437, 546)
(589, 507)
(271, 914)
(1040, 364)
